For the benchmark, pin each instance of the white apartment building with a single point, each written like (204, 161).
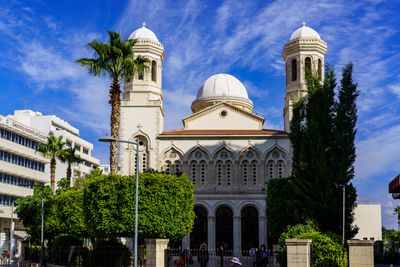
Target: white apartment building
(20, 168)
(70, 134)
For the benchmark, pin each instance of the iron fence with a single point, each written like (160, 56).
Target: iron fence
(215, 258)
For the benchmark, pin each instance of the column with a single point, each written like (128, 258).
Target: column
(211, 232)
(262, 230)
(237, 233)
(186, 241)
(298, 252)
(361, 253)
(155, 252)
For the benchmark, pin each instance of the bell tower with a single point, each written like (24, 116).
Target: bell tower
(304, 50)
(142, 113)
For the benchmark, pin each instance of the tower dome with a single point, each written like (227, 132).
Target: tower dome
(304, 32)
(143, 33)
(222, 87)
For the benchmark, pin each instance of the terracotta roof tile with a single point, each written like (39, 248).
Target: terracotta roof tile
(223, 132)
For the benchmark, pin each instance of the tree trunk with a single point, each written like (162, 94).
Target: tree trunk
(53, 174)
(114, 123)
(69, 173)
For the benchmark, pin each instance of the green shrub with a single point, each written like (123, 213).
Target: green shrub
(324, 250)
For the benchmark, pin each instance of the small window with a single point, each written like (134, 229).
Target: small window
(141, 75)
(307, 63)
(294, 70)
(85, 151)
(77, 147)
(319, 68)
(154, 71)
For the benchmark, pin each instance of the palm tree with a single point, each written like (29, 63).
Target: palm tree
(52, 150)
(69, 156)
(116, 60)
(397, 212)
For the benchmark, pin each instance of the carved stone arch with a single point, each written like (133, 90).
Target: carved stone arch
(172, 148)
(251, 204)
(133, 136)
(284, 152)
(257, 153)
(226, 203)
(204, 205)
(224, 148)
(189, 155)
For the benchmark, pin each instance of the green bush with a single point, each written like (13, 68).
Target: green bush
(324, 250)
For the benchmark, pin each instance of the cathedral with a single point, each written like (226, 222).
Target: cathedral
(222, 146)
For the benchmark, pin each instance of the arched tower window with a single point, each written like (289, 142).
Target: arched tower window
(307, 63)
(141, 75)
(154, 71)
(228, 173)
(294, 70)
(193, 171)
(320, 68)
(254, 172)
(249, 167)
(245, 172)
(203, 172)
(167, 167)
(270, 169)
(143, 155)
(219, 172)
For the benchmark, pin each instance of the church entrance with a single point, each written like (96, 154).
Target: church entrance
(249, 227)
(199, 232)
(224, 228)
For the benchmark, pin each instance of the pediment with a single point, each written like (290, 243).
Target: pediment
(223, 116)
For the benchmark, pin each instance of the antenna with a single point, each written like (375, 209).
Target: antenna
(26, 100)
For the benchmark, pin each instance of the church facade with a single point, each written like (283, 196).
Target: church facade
(223, 146)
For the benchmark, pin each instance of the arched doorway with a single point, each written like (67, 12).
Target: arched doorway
(224, 228)
(249, 227)
(199, 232)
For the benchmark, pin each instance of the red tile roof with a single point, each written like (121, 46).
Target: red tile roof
(223, 132)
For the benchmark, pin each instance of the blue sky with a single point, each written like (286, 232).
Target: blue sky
(39, 41)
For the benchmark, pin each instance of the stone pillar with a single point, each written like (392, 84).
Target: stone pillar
(262, 231)
(298, 252)
(211, 232)
(155, 252)
(237, 233)
(361, 253)
(186, 241)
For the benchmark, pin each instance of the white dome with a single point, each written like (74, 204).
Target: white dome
(304, 31)
(223, 85)
(222, 88)
(143, 33)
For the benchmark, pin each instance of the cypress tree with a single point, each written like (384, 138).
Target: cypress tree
(345, 152)
(322, 136)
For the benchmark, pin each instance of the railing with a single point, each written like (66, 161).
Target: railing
(215, 258)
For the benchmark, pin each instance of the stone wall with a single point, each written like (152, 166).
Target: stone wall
(361, 253)
(298, 252)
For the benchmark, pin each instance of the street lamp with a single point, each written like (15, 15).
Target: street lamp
(343, 186)
(110, 139)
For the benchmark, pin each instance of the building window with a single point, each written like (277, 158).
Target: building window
(21, 161)
(280, 169)
(270, 169)
(6, 200)
(10, 179)
(203, 172)
(168, 167)
(254, 172)
(141, 75)
(219, 172)
(307, 63)
(85, 151)
(16, 138)
(294, 70)
(193, 171)
(77, 147)
(228, 168)
(68, 143)
(320, 68)
(154, 71)
(245, 166)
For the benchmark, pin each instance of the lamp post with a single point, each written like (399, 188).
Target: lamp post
(110, 139)
(343, 186)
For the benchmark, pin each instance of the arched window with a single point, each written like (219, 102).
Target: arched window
(154, 71)
(245, 169)
(254, 172)
(219, 172)
(320, 68)
(280, 169)
(193, 171)
(143, 155)
(203, 172)
(271, 169)
(228, 172)
(307, 63)
(177, 167)
(141, 75)
(167, 167)
(294, 70)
